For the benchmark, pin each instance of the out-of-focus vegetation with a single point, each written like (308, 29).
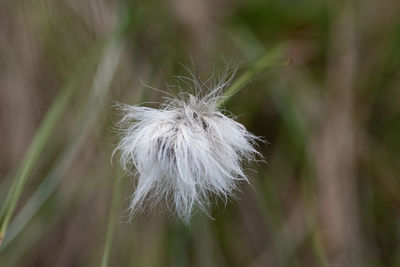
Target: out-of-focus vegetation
(329, 193)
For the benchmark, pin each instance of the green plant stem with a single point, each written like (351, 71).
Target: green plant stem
(39, 141)
(49, 122)
(270, 59)
(84, 124)
(111, 223)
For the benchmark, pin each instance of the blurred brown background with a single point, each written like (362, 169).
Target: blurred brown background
(330, 192)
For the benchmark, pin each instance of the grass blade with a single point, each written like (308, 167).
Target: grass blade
(111, 223)
(270, 59)
(89, 115)
(40, 139)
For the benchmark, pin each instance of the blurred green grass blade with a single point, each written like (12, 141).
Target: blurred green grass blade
(44, 222)
(270, 59)
(111, 220)
(40, 139)
(48, 124)
(297, 131)
(83, 126)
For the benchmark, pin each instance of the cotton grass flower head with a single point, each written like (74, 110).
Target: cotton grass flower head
(186, 152)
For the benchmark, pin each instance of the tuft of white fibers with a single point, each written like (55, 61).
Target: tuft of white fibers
(185, 153)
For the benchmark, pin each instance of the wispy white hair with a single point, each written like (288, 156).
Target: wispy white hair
(184, 153)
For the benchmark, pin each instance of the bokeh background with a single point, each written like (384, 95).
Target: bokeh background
(329, 194)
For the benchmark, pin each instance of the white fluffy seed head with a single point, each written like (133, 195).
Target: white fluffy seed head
(184, 153)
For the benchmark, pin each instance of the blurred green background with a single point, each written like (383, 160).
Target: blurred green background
(329, 194)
